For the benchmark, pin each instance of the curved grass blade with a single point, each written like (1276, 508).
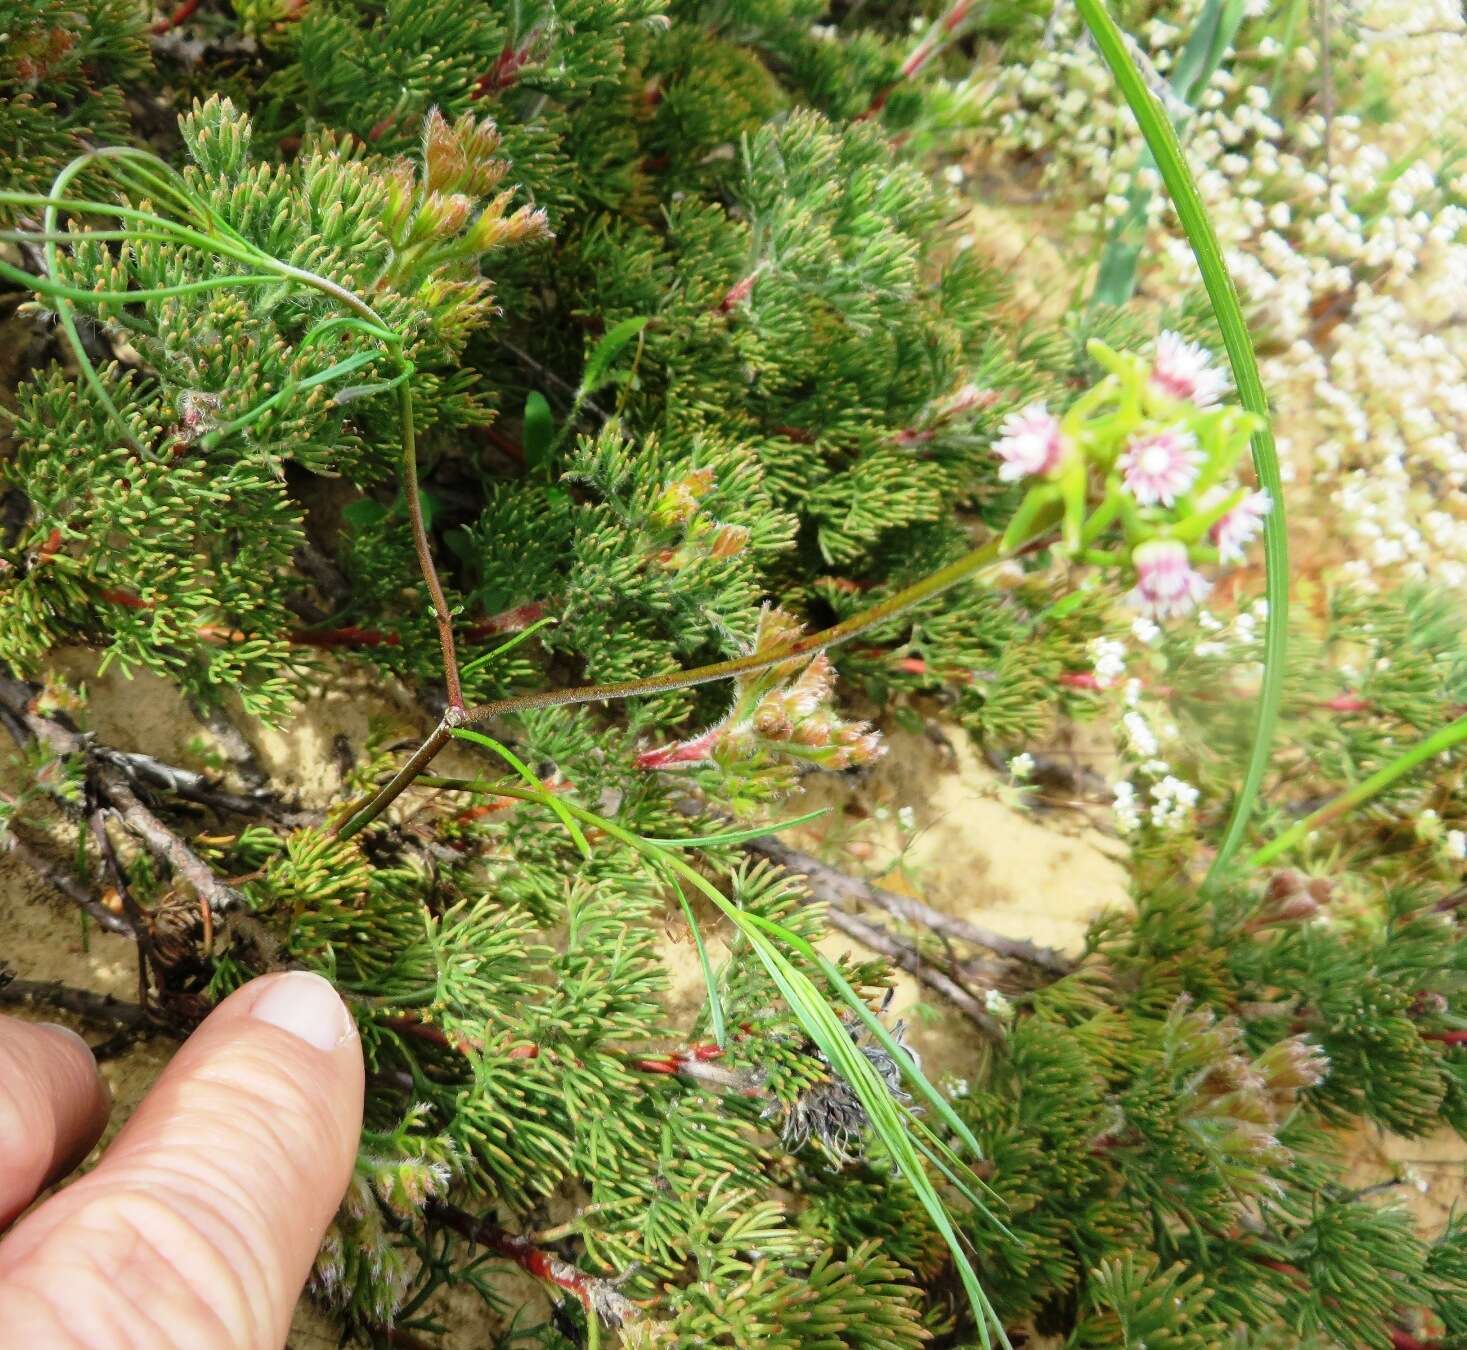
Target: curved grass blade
(715, 1003)
(520, 767)
(1210, 42)
(1161, 139)
(741, 836)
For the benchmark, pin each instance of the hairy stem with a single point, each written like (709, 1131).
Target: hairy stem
(424, 550)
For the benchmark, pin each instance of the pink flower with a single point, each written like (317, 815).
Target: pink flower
(1182, 369)
(1160, 468)
(1029, 443)
(1166, 583)
(1240, 526)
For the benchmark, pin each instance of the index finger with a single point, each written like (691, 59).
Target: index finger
(53, 1107)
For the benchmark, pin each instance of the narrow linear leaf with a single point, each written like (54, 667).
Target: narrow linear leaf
(539, 431)
(1161, 139)
(741, 836)
(520, 767)
(598, 364)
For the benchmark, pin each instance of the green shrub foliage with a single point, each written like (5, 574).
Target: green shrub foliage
(699, 353)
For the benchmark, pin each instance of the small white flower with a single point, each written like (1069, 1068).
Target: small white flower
(998, 1005)
(1172, 801)
(907, 818)
(1021, 765)
(1144, 631)
(1457, 845)
(1127, 812)
(1109, 657)
(1138, 731)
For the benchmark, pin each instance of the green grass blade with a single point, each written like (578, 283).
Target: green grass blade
(741, 836)
(520, 767)
(504, 648)
(1161, 139)
(1210, 42)
(891, 1122)
(715, 1003)
(1438, 743)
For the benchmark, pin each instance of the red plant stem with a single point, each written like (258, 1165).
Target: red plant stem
(1446, 1037)
(924, 51)
(676, 1062)
(1404, 1340)
(182, 14)
(347, 636)
(599, 1297)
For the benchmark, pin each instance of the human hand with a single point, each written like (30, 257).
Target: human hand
(198, 1227)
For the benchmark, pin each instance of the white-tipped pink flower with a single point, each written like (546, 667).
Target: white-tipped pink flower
(1166, 582)
(1182, 369)
(1158, 469)
(1029, 443)
(1236, 530)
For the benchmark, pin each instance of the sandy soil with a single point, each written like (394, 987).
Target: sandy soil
(927, 821)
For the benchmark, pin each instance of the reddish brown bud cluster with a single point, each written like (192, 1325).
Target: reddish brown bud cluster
(1292, 897)
(782, 713)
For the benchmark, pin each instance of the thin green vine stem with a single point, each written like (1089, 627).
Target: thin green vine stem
(1162, 141)
(1439, 742)
(52, 290)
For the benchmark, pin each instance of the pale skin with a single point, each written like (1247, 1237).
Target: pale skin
(198, 1226)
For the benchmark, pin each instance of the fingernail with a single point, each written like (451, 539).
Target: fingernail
(68, 1033)
(77, 1038)
(309, 1008)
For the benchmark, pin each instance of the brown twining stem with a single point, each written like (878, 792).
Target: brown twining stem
(424, 550)
(357, 817)
(599, 1297)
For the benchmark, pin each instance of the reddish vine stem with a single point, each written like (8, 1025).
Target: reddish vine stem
(938, 38)
(425, 551)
